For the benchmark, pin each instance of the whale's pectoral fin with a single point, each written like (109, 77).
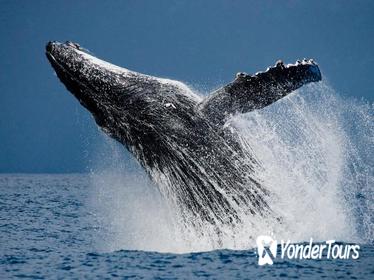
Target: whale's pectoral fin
(247, 93)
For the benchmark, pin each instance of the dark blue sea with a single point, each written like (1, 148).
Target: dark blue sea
(49, 230)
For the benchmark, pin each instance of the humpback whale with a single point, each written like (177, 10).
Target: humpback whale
(183, 140)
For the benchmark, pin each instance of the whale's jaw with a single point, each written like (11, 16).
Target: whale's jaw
(114, 94)
(94, 82)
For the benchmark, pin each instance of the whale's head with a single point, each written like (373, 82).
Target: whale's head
(95, 83)
(98, 85)
(131, 107)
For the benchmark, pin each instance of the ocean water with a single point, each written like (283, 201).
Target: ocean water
(317, 154)
(48, 230)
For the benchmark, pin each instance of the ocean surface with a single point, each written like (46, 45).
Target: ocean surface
(317, 154)
(51, 228)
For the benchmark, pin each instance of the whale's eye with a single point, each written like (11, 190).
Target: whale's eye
(170, 105)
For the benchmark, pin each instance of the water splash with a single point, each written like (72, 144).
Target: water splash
(307, 152)
(317, 152)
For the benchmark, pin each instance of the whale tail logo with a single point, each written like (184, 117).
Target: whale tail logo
(266, 249)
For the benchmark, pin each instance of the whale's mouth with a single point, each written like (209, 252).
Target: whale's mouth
(97, 84)
(56, 63)
(62, 57)
(58, 53)
(67, 61)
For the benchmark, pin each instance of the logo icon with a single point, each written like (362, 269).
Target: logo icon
(266, 249)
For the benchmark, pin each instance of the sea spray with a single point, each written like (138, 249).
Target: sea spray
(316, 153)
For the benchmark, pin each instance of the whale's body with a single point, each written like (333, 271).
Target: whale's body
(181, 139)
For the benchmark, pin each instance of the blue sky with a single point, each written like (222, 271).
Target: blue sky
(203, 43)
